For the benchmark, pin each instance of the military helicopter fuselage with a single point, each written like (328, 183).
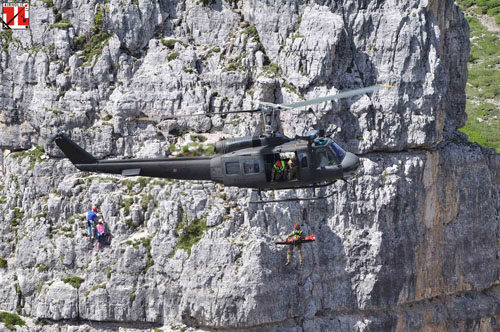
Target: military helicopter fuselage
(272, 161)
(245, 162)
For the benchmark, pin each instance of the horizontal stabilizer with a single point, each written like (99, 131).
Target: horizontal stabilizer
(75, 153)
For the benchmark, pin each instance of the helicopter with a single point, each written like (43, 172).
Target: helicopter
(308, 161)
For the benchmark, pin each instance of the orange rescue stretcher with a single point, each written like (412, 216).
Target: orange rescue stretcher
(310, 238)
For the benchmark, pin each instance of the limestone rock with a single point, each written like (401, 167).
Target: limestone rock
(409, 243)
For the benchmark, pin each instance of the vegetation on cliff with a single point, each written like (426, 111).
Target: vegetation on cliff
(483, 86)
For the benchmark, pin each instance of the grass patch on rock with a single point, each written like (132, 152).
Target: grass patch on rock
(62, 24)
(483, 124)
(18, 216)
(189, 233)
(92, 44)
(125, 204)
(193, 149)
(170, 43)
(483, 85)
(172, 56)
(74, 281)
(146, 242)
(11, 320)
(482, 7)
(34, 154)
(131, 183)
(96, 287)
(6, 39)
(43, 268)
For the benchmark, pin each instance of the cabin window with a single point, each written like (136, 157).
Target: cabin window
(303, 161)
(251, 166)
(232, 167)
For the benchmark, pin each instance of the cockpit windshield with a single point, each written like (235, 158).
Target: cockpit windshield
(339, 152)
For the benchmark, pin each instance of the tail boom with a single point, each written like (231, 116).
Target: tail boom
(171, 168)
(196, 168)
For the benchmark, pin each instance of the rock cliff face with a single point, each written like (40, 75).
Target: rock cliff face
(409, 244)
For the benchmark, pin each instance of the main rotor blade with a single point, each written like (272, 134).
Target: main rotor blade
(277, 106)
(170, 117)
(336, 96)
(284, 106)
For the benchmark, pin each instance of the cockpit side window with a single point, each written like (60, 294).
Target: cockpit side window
(326, 158)
(339, 152)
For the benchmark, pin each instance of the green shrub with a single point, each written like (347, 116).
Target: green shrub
(145, 199)
(96, 287)
(132, 296)
(40, 287)
(172, 56)
(43, 268)
(190, 234)
(34, 155)
(107, 117)
(251, 31)
(208, 2)
(126, 203)
(3, 263)
(74, 281)
(195, 149)
(18, 216)
(11, 320)
(146, 242)
(62, 24)
(93, 43)
(169, 43)
(6, 39)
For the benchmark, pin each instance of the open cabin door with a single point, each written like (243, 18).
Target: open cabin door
(282, 167)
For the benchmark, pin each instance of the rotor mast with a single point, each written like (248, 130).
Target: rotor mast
(270, 120)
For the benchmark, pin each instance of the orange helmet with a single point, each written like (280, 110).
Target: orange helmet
(296, 226)
(94, 209)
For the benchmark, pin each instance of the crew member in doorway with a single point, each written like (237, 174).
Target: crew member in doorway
(292, 169)
(278, 171)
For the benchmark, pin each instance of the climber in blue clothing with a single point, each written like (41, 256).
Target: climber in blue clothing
(92, 221)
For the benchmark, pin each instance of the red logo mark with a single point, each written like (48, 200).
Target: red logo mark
(15, 15)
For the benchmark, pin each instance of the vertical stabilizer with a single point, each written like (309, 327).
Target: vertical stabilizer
(75, 153)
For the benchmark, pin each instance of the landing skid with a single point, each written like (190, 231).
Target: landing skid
(296, 199)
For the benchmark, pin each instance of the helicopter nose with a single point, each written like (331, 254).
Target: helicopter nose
(350, 164)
